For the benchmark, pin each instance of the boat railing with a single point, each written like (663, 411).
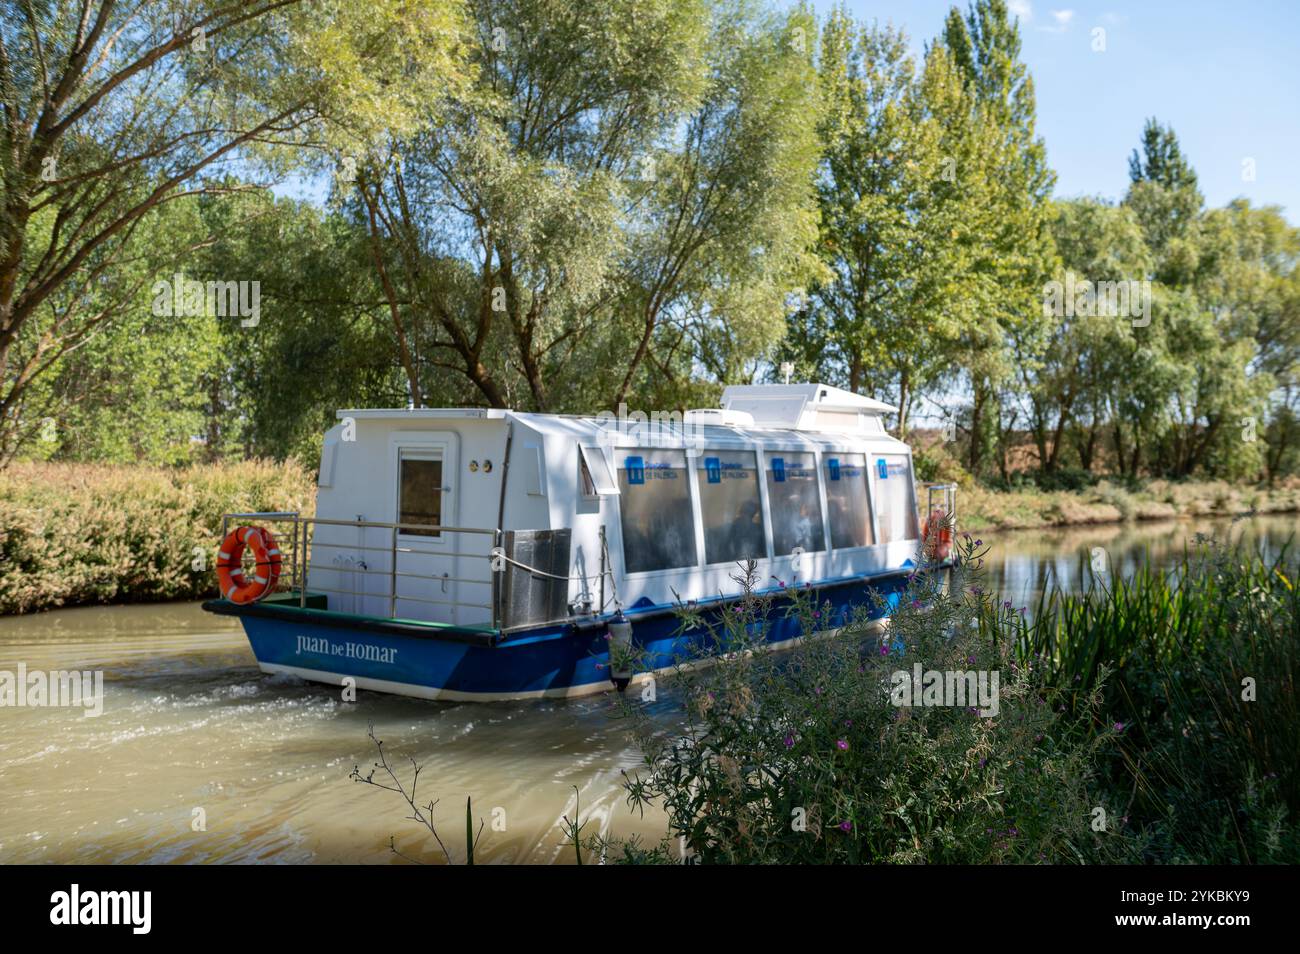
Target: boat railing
(947, 495)
(516, 591)
(304, 543)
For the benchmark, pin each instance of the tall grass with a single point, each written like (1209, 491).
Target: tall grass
(1152, 720)
(1201, 666)
(74, 534)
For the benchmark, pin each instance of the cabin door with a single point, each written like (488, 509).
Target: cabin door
(423, 558)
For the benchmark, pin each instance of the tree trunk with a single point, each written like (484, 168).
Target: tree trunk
(904, 395)
(403, 348)
(979, 400)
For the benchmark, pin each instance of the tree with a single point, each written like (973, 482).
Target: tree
(1018, 255)
(901, 194)
(620, 193)
(1075, 371)
(111, 110)
(1250, 280)
(1163, 192)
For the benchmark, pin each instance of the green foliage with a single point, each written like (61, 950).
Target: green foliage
(904, 214)
(625, 192)
(562, 206)
(114, 111)
(801, 757)
(1168, 702)
(1200, 668)
(75, 534)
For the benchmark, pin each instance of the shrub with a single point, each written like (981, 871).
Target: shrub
(1071, 479)
(1117, 497)
(75, 534)
(804, 756)
(936, 464)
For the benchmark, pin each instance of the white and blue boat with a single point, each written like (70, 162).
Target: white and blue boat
(487, 554)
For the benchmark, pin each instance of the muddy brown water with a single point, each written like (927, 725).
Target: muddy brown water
(192, 730)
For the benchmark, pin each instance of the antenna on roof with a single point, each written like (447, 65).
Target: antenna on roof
(787, 369)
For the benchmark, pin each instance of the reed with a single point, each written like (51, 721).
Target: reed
(1201, 665)
(1151, 720)
(806, 756)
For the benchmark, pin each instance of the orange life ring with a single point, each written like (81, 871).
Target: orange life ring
(941, 544)
(230, 566)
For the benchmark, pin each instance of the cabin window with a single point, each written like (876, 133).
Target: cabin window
(593, 469)
(846, 500)
(655, 507)
(795, 502)
(892, 477)
(420, 493)
(730, 506)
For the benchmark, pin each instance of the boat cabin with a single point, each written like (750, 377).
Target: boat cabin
(513, 519)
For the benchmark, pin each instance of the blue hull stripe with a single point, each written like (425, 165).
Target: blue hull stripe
(553, 660)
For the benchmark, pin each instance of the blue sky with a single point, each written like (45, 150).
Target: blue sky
(1226, 76)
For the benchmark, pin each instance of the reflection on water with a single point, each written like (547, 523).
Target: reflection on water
(1022, 563)
(191, 723)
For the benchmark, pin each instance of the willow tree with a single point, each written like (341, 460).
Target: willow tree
(110, 110)
(625, 182)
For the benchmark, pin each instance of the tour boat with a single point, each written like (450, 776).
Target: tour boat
(489, 554)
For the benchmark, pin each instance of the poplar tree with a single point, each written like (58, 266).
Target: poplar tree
(1017, 254)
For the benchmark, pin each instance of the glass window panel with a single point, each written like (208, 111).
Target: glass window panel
(795, 502)
(596, 478)
(420, 500)
(655, 507)
(846, 500)
(892, 477)
(730, 506)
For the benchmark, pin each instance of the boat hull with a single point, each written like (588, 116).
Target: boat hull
(557, 661)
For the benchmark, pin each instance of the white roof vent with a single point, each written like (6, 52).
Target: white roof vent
(805, 407)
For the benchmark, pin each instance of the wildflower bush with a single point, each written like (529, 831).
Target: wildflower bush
(806, 756)
(73, 534)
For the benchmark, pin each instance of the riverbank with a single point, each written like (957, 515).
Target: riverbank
(983, 509)
(78, 534)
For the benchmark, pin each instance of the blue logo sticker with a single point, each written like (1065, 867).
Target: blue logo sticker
(635, 467)
(882, 469)
(833, 464)
(778, 469)
(713, 470)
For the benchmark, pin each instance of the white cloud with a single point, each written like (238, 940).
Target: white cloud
(1022, 9)
(1062, 20)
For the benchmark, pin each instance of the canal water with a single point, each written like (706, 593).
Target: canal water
(199, 757)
